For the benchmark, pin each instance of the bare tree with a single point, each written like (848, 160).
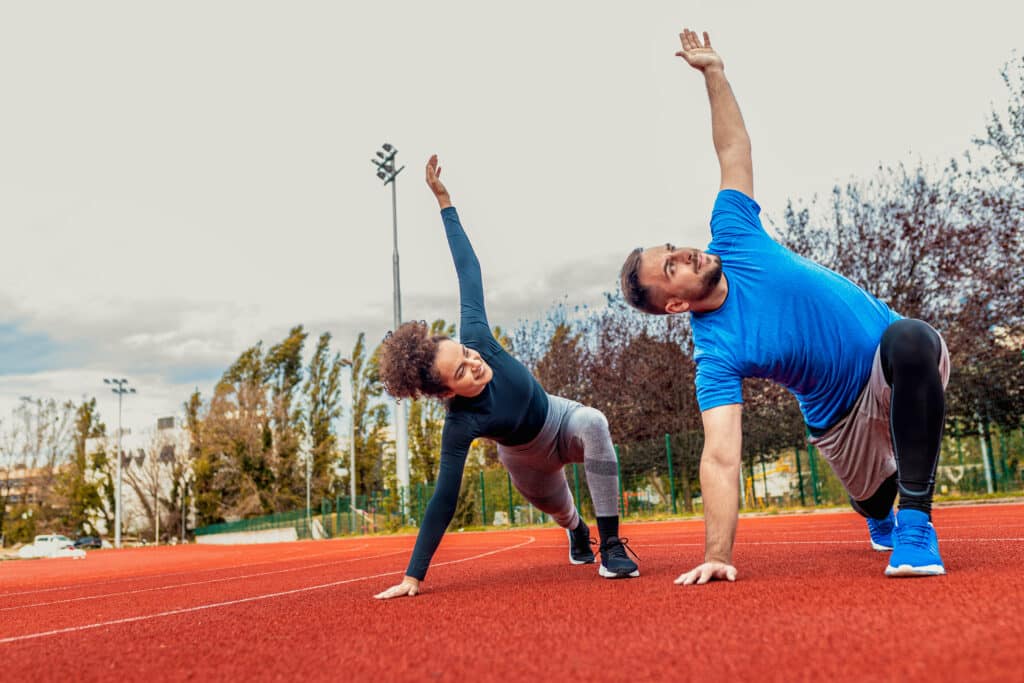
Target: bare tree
(34, 442)
(153, 472)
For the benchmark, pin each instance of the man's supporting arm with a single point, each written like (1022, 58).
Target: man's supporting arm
(720, 490)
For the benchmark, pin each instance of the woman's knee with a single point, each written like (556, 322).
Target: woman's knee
(593, 420)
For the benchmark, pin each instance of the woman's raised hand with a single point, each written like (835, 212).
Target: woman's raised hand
(435, 184)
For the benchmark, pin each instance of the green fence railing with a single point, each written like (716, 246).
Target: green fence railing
(657, 477)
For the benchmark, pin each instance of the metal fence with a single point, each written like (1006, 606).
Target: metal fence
(659, 477)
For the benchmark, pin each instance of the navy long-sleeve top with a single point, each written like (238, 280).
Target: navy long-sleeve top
(510, 410)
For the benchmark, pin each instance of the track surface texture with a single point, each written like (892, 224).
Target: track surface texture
(811, 604)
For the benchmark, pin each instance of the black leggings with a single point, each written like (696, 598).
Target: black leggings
(910, 353)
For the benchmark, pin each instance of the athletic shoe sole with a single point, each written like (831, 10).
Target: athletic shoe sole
(906, 570)
(572, 560)
(612, 575)
(880, 548)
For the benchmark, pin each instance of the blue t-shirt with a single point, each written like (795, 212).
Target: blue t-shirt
(785, 318)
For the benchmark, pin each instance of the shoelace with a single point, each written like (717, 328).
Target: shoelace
(916, 534)
(611, 547)
(880, 526)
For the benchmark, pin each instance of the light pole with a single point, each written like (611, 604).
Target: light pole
(387, 172)
(119, 387)
(307, 452)
(184, 503)
(347, 363)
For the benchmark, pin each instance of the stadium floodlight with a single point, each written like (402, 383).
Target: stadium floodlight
(387, 171)
(119, 387)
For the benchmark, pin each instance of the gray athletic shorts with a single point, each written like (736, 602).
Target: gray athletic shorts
(859, 447)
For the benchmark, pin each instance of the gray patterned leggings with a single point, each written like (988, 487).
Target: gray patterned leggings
(571, 433)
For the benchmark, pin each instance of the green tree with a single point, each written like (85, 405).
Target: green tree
(284, 374)
(369, 421)
(205, 497)
(235, 476)
(323, 403)
(77, 486)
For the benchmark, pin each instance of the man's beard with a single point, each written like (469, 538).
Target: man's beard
(711, 279)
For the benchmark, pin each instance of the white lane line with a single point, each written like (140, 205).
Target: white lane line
(266, 596)
(740, 543)
(297, 556)
(199, 583)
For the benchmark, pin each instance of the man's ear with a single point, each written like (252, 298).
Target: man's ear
(675, 305)
(448, 394)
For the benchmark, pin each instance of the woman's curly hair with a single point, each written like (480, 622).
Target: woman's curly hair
(407, 361)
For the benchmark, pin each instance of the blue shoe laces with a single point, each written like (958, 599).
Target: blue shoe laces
(618, 549)
(915, 534)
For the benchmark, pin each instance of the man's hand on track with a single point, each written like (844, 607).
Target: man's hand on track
(709, 571)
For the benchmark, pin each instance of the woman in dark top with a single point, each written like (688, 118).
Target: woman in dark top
(491, 395)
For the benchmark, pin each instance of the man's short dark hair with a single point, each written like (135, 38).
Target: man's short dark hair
(636, 295)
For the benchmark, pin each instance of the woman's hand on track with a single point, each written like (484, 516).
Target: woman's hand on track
(709, 571)
(435, 184)
(409, 586)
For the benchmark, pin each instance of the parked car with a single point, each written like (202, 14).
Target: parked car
(88, 542)
(51, 545)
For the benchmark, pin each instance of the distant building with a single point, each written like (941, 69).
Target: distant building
(148, 460)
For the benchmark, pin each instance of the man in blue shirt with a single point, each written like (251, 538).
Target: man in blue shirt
(869, 383)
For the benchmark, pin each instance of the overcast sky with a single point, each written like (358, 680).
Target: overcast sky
(181, 180)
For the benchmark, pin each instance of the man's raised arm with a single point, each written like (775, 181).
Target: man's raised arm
(732, 143)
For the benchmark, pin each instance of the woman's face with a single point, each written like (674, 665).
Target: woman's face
(461, 369)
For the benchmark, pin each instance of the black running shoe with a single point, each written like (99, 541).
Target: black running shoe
(580, 551)
(615, 563)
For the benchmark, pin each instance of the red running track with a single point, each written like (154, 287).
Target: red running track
(811, 604)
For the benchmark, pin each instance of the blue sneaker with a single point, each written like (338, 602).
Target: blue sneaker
(915, 548)
(881, 532)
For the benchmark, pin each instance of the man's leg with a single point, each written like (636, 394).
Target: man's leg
(585, 438)
(877, 509)
(911, 352)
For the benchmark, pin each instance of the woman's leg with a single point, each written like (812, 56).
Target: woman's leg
(541, 484)
(585, 438)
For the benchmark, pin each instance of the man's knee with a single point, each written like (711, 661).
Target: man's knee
(909, 346)
(878, 505)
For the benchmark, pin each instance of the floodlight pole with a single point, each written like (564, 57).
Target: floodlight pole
(347, 362)
(386, 171)
(119, 387)
(307, 452)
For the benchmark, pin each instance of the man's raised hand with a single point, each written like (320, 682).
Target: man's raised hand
(435, 184)
(708, 571)
(698, 55)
